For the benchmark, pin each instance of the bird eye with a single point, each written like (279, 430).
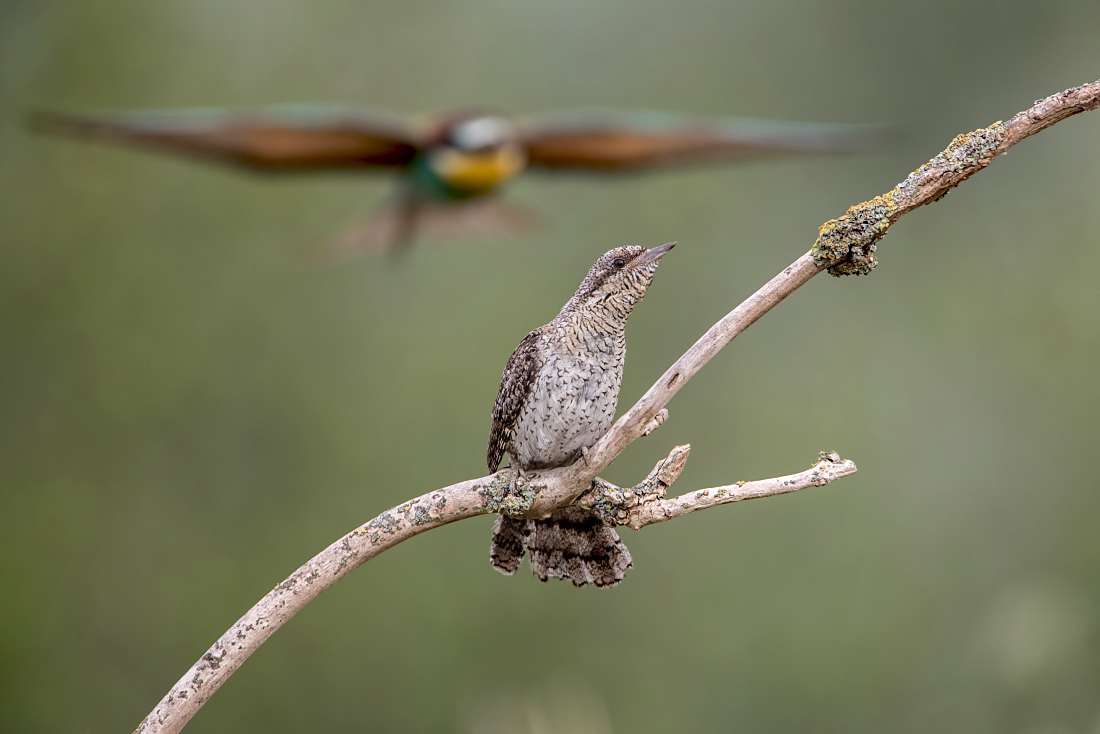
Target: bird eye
(619, 263)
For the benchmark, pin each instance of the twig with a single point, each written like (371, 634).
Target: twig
(844, 246)
(645, 503)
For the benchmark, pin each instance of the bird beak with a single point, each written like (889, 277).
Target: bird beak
(656, 253)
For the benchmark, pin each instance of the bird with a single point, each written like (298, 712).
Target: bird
(450, 164)
(557, 397)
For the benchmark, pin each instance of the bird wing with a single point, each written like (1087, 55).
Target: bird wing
(611, 140)
(282, 138)
(515, 386)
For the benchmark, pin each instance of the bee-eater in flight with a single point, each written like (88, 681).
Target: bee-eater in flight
(450, 164)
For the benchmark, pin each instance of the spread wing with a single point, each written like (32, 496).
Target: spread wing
(628, 141)
(283, 138)
(515, 386)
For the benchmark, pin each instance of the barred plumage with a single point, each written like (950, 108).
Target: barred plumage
(557, 397)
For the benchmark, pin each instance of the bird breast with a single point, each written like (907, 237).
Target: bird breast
(572, 403)
(473, 173)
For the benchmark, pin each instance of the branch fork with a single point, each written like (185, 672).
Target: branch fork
(620, 506)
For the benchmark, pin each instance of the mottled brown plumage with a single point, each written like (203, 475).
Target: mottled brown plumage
(515, 386)
(557, 397)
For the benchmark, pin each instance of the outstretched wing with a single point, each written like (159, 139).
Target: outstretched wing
(627, 141)
(515, 386)
(282, 138)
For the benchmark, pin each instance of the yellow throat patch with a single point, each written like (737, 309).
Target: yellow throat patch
(477, 173)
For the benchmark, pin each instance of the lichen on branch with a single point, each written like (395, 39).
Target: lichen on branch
(846, 245)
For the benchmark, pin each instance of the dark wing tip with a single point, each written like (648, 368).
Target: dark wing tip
(495, 454)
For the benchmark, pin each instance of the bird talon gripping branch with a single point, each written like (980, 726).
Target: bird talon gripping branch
(518, 477)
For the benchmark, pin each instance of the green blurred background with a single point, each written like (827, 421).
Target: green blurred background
(186, 414)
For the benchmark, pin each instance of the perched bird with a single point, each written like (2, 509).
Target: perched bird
(449, 163)
(556, 399)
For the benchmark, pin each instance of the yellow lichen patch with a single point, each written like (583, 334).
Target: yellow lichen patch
(500, 498)
(847, 244)
(967, 152)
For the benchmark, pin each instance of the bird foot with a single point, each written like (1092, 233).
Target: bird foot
(517, 475)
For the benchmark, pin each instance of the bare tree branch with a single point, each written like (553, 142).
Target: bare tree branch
(844, 246)
(645, 503)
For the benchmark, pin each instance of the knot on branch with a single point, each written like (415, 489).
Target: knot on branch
(619, 505)
(820, 473)
(500, 498)
(847, 245)
(655, 422)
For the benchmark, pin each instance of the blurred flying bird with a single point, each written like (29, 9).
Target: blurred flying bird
(448, 164)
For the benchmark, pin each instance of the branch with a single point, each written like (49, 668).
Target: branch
(645, 503)
(844, 246)
(456, 502)
(847, 245)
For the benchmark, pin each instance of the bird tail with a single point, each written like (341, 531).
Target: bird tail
(573, 543)
(398, 223)
(390, 228)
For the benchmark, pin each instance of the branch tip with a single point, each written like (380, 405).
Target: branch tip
(656, 421)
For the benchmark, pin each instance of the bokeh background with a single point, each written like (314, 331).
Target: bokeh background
(186, 414)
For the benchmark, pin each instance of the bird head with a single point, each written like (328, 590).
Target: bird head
(480, 134)
(475, 154)
(618, 280)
